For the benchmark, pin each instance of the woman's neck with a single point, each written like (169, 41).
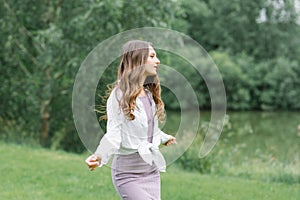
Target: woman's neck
(142, 93)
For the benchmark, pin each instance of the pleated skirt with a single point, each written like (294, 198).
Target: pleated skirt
(134, 179)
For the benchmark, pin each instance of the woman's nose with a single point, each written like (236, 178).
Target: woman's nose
(157, 61)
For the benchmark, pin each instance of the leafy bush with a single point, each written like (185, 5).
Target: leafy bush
(281, 85)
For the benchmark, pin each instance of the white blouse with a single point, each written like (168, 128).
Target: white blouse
(126, 136)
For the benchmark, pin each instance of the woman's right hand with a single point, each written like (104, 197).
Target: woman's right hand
(93, 161)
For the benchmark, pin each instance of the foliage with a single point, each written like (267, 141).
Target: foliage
(255, 45)
(281, 85)
(235, 81)
(44, 43)
(262, 29)
(190, 161)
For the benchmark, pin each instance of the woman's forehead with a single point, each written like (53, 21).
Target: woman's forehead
(151, 50)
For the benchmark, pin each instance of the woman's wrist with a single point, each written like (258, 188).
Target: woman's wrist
(97, 157)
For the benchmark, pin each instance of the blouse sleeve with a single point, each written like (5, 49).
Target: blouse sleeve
(164, 137)
(111, 141)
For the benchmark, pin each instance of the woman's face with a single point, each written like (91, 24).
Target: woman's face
(152, 62)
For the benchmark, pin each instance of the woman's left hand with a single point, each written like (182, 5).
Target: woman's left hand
(172, 140)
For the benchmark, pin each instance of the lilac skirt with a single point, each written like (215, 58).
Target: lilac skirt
(134, 179)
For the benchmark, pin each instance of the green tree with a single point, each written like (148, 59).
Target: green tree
(281, 85)
(44, 44)
(235, 81)
(263, 29)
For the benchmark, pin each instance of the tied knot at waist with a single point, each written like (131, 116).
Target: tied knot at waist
(150, 153)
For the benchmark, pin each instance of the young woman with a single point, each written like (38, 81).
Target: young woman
(134, 108)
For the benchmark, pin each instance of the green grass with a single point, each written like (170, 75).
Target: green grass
(34, 173)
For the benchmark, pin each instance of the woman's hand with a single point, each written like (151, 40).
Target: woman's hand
(93, 161)
(172, 140)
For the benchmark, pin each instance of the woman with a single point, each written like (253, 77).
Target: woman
(134, 108)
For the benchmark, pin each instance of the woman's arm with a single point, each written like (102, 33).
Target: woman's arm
(111, 141)
(166, 139)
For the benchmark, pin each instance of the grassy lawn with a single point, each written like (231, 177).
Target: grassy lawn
(34, 173)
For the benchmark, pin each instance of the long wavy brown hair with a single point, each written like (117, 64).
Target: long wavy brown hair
(130, 74)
